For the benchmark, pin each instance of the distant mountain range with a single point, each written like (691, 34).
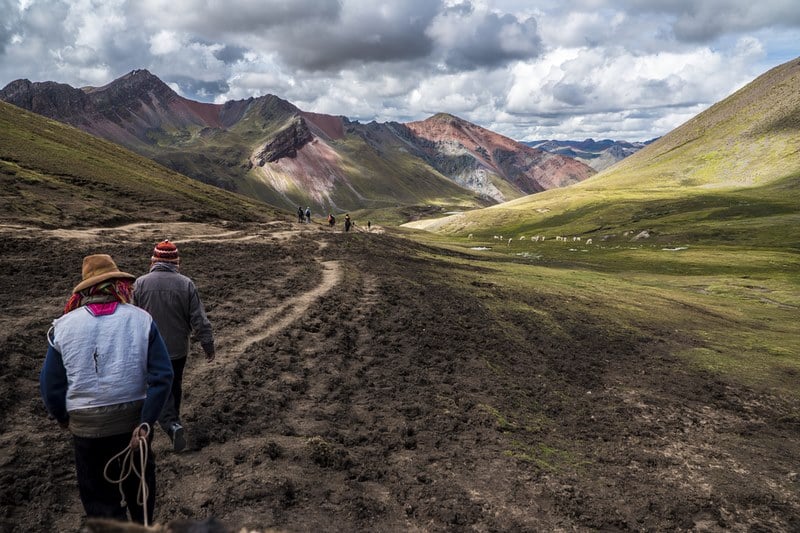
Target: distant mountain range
(269, 149)
(597, 154)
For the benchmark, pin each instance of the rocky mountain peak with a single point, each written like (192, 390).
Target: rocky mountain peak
(53, 100)
(136, 85)
(134, 78)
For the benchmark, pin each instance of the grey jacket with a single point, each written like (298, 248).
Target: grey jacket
(174, 303)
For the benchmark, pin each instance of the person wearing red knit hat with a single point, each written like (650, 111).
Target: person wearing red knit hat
(174, 303)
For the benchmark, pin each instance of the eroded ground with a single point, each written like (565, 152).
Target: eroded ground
(355, 391)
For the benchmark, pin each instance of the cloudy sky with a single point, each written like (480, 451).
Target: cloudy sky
(529, 69)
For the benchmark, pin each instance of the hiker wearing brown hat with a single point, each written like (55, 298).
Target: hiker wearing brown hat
(174, 303)
(106, 377)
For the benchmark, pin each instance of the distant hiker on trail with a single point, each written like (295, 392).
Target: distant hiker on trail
(105, 378)
(331, 220)
(347, 222)
(308, 215)
(369, 225)
(300, 215)
(173, 301)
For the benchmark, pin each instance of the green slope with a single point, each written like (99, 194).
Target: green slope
(750, 138)
(56, 175)
(390, 175)
(763, 216)
(698, 234)
(728, 175)
(719, 270)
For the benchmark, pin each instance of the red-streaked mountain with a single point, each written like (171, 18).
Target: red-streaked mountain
(496, 161)
(124, 111)
(269, 149)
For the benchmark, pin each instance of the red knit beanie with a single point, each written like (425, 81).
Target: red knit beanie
(165, 252)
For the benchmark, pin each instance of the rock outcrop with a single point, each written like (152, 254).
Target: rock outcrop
(285, 143)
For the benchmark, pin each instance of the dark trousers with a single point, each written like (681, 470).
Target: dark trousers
(101, 498)
(171, 412)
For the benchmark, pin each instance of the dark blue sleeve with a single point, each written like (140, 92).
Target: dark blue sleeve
(53, 385)
(159, 377)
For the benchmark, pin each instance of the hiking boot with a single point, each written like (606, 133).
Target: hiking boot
(178, 437)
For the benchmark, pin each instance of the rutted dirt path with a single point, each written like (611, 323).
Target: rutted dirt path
(271, 321)
(355, 391)
(276, 315)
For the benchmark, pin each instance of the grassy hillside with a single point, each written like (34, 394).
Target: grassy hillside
(699, 231)
(719, 269)
(56, 175)
(394, 177)
(728, 176)
(766, 216)
(750, 138)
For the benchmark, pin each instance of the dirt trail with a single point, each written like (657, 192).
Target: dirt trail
(231, 341)
(355, 391)
(272, 321)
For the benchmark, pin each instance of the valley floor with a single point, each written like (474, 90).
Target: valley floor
(358, 388)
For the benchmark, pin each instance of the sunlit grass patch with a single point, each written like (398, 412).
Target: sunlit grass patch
(526, 421)
(544, 456)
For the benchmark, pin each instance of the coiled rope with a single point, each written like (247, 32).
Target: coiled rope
(129, 466)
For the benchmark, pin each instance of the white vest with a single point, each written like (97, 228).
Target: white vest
(105, 356)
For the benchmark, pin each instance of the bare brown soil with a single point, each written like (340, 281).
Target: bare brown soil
(355, 390)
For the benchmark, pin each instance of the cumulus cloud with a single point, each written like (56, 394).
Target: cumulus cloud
(216, 19)
(230, 54)
(526, 68)
(165, 42)
(10, 10)
(610, 90)
(471, 37)
(367, 31)
(703, 21)
(197, 89)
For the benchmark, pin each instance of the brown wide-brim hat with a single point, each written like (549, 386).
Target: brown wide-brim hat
(98, 268)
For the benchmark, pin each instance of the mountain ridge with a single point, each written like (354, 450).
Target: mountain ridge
(269, 149)
(597, 154)
(748, 138)
(547, 171)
